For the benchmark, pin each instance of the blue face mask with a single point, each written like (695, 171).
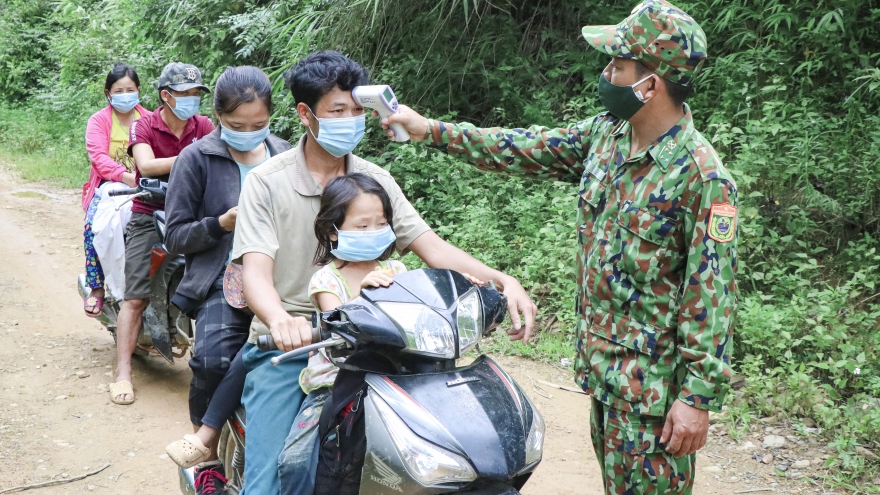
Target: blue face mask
(244, 141)
(124, 102)
(339, 136)
(186, 106)
(363, 245)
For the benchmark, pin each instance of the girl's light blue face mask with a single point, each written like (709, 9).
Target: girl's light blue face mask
(363, 245)
(186, 106)
(339, 136)
(243, 141)
(124, 102)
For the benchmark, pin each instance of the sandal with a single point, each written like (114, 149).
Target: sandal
(121, 388)
(188, 452)
(94, 303)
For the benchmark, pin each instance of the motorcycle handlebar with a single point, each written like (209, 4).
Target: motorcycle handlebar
(330, 342)
(124, 192)
(267, 343)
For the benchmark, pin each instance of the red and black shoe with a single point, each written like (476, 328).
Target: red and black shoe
(210, 479)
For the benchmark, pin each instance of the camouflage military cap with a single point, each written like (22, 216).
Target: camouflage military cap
(659, 35)
(181, 77)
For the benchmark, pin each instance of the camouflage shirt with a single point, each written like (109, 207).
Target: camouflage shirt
(657, 259)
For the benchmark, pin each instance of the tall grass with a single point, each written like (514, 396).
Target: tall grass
(42, 147)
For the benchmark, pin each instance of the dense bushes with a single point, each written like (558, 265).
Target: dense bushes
(790, 98)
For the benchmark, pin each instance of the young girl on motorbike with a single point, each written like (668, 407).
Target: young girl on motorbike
(355, 240)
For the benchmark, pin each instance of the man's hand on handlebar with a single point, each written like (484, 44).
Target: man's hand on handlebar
(291, 332)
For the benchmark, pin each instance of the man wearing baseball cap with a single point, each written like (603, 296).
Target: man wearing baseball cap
(657, 227)
(154, 142)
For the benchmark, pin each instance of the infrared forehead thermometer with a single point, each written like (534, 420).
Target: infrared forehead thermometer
(381, 99)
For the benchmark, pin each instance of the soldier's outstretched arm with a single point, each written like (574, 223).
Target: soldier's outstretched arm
(708, 303)
(540, 152)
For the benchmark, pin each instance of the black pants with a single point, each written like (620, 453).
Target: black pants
(221, 331)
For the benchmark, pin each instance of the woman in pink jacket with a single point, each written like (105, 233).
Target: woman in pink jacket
(107, 145)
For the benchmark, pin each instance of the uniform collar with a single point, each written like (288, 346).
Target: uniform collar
(668, 146)
(305, 184)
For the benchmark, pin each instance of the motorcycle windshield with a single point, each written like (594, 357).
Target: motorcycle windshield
(368, 319)
(477, 411)
(434, 287)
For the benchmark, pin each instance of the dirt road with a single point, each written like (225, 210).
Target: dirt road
(57, 422)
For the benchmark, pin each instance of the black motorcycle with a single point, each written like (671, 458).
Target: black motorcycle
(431, 427)
(166, 331)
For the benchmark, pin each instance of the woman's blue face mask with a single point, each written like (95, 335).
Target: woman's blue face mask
(124, 102)
(243, 141)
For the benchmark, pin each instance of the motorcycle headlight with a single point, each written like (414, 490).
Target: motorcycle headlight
(427, 463)
(535, 442)
(425, 331)
(469, 320)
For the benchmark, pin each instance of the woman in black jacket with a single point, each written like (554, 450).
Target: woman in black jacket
(201, 207)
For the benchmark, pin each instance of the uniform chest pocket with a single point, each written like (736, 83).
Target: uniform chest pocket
(592, 192)
(640, 244)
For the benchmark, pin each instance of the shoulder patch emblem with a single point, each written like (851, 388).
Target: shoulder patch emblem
(722, 222)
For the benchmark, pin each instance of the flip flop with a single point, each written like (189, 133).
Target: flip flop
(96, 302)
(121, 388)
(188, 452)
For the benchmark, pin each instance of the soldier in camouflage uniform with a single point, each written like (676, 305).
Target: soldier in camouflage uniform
(657, 226)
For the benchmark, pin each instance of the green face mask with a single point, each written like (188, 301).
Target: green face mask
(621, 101)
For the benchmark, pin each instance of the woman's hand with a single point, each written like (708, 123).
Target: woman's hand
(227, 220)
(376, 278)
(128, 179)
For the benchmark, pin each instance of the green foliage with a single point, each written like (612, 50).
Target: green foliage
(810, 347)
(25, 42)
(790, 98)
(42, 147)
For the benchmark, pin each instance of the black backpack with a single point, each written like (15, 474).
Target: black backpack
(341, 428)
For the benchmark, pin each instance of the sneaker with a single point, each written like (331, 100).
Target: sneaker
(210, 480)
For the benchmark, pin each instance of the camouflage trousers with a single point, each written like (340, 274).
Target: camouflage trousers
(632, 459)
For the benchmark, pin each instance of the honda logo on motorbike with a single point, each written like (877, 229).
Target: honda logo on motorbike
(387, 476)
(459, 381)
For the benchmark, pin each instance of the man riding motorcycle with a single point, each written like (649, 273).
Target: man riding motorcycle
(155, 141)
(275, 224)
